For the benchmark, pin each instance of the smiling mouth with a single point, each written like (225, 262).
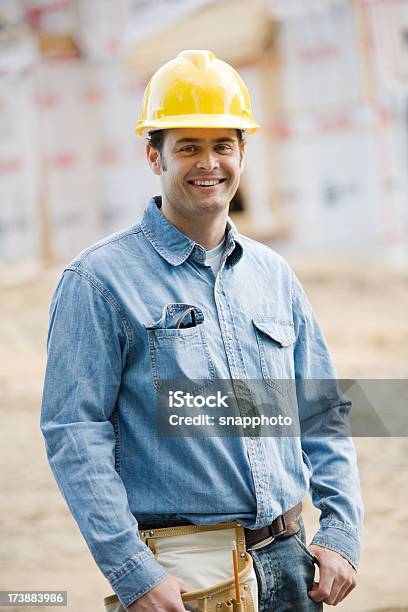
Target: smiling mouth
(206, 182)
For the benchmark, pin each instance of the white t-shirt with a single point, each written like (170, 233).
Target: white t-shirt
(214, 256)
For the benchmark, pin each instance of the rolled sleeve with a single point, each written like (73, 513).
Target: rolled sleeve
(88, 343)
(334, 480)
(341, 538)
(136, 577)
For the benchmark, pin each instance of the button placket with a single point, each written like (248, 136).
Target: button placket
(226, 335)
(255, 447)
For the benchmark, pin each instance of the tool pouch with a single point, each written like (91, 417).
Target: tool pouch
(189, 551)
(218, 598)
(221, 596)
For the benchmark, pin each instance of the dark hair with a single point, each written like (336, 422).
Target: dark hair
(156, 139)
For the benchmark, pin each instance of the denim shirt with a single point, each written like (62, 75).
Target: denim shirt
(110, 346)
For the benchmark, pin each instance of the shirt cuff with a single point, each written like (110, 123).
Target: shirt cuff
(341, 538)
(137, 576)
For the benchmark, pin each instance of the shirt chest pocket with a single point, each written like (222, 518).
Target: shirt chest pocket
(180, 354)
(275, 339)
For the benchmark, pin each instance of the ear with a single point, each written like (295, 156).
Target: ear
(242, 156)
(153, 157)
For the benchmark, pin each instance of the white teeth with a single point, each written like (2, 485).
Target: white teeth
(207, 183)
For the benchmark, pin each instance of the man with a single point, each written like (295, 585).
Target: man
(183, 296)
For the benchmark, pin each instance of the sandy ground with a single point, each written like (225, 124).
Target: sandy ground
(363, 311)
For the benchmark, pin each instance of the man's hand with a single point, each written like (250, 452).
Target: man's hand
(337, 576)
(165, 597)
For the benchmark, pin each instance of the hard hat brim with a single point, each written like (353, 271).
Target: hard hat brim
(197, 121)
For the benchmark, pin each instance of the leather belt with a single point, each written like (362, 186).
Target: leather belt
(285, 525)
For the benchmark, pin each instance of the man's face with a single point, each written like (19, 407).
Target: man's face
(199, 168)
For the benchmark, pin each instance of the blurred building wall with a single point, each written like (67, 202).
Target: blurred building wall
(328, 171)
(344, 124)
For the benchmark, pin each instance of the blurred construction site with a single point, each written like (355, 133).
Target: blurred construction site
(325, 185)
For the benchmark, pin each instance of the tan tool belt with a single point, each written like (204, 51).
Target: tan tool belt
(218, 597)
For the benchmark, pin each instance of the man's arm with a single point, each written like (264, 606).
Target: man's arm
(335, 486)
(88, 343)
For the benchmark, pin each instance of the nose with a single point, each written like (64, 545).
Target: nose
(208, 161)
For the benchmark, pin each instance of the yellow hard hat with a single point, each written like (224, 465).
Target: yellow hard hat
(196, 89)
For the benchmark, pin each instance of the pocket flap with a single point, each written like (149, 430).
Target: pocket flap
(282, 332)
(171, 315)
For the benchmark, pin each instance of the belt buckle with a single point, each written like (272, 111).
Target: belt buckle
(271, 538)
(284, 527)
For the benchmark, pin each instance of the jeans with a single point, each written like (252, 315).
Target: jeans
(285, 571)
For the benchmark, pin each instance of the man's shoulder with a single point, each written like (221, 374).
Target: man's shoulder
(264, 253)
(108, 249)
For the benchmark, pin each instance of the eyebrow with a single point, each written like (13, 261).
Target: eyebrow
(226, 139)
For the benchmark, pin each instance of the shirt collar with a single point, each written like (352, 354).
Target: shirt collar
(174, 246)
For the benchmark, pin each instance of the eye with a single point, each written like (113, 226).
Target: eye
(188, 149)
(224, 148)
